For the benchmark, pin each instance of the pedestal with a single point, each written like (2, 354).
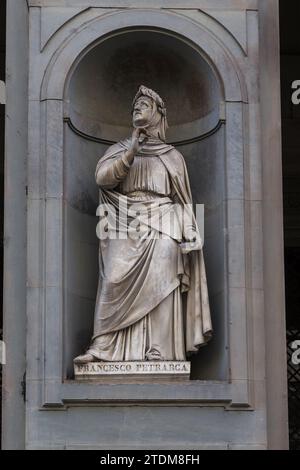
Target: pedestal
(135, 371)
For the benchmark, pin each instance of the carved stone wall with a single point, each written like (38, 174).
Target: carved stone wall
(74, 104)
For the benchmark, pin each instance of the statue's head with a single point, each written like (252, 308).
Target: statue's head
(149, 112)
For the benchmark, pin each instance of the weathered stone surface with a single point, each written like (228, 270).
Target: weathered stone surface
(134, 370)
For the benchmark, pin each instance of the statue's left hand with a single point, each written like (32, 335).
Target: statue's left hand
(187, 247)
(192, 242)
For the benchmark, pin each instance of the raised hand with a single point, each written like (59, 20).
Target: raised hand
(138, 140)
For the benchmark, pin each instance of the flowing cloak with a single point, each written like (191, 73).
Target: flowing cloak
(124, 300)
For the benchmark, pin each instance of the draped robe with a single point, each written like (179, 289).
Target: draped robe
(140, 311)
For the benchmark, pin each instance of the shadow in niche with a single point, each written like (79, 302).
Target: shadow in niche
(98, 102)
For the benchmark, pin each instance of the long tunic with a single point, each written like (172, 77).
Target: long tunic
(159, 332)
(139, 313)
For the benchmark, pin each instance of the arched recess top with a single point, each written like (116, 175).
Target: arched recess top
(65, 59)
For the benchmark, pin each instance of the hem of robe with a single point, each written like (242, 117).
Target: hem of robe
(172, 326)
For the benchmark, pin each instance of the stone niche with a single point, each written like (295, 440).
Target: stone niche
(97, 104)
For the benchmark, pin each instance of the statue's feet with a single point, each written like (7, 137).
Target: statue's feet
(154, 355)
(84, 358)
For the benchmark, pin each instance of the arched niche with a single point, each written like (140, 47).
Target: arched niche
(97, 105)
(102, 86)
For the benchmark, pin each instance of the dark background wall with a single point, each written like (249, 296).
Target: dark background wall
(290, 71)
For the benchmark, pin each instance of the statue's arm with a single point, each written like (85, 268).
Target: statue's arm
(115, 165)
(110, 172)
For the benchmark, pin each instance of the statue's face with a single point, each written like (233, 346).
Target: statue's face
(142, 112)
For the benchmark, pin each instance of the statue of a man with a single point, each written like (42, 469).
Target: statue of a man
(140, 313)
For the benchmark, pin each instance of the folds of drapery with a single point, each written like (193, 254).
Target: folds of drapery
(137, 274)
(158, 334)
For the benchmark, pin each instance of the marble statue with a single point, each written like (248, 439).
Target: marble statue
(152, 302)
